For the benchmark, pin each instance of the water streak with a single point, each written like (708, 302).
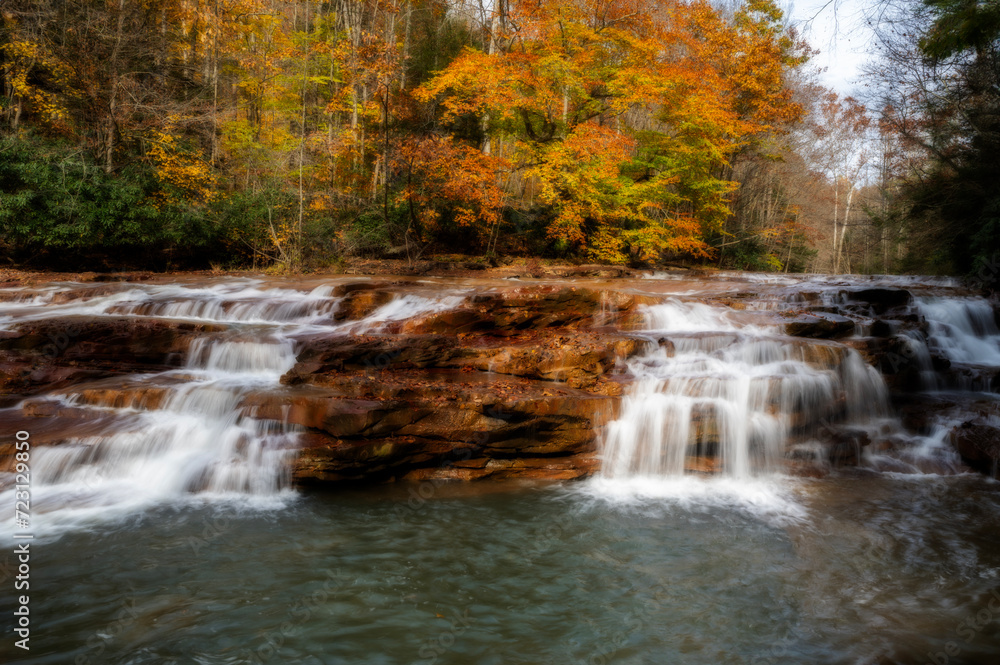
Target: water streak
(200, 441)
(717, 391)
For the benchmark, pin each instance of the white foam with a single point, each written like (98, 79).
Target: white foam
(769, 498)
(406, 307)
(202, 443)
(720, 390)
(678, 316)
(964, 329)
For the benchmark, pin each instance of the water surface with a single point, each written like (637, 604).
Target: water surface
(860, 569)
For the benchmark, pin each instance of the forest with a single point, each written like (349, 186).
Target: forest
(291, 135)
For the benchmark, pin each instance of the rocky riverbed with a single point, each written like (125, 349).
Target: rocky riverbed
(397, 378)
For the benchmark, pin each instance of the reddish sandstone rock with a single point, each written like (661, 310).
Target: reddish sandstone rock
(562, 468)
(450, 322)
(532, 308)
(57, 353)
(322, 355)
(390, 424)
(359, 303)
(126, 341)
(580, 359)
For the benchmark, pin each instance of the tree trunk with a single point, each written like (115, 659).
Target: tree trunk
(297, 250)
(843, 226)
(406, 47)
(112, 123)
(215, 83)
(836, 212)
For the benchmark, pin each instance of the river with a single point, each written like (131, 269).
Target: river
(168, 525)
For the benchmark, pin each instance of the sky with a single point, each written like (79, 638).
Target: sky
(836, 28)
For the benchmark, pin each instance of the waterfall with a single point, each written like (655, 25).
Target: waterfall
(198, 440)
(713, 390)
(963, 329)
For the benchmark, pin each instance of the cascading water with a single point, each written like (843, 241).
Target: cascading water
(712, 389)
(963, 329)
(198, 440)
(747, 566)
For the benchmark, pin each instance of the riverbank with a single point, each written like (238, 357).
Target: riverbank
(451, 266)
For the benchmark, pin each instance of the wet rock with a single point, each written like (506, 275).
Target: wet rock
(359, 303)
(516, 310)
(898, 361)
(450, 322)
(579, 359)
(21, 376)
(324, 461)
(87, 292)
(880, 299)
(126, 341)
(702, 465)
(147, 398)
(344, 289)
(844, 445)
(544, 308)
(603, 271)
(800, 297)
(391, 427)
(322, 355)
(52, 423)
(53, 354)
(820, 325)
(334, 415)
(549, 469)
(883, 328)
(978, 443)
(835, 445)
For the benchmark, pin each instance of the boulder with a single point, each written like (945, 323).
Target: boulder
(123, 341)
(359, 303)
(820, 325)
(978, 443)
(880, 299)
(396, 424)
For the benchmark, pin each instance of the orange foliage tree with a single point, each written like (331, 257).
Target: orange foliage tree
(451, 184)
(622, 115)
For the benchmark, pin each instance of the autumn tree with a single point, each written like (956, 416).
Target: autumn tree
(288, 130)
(938, 78)
(619, 117)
